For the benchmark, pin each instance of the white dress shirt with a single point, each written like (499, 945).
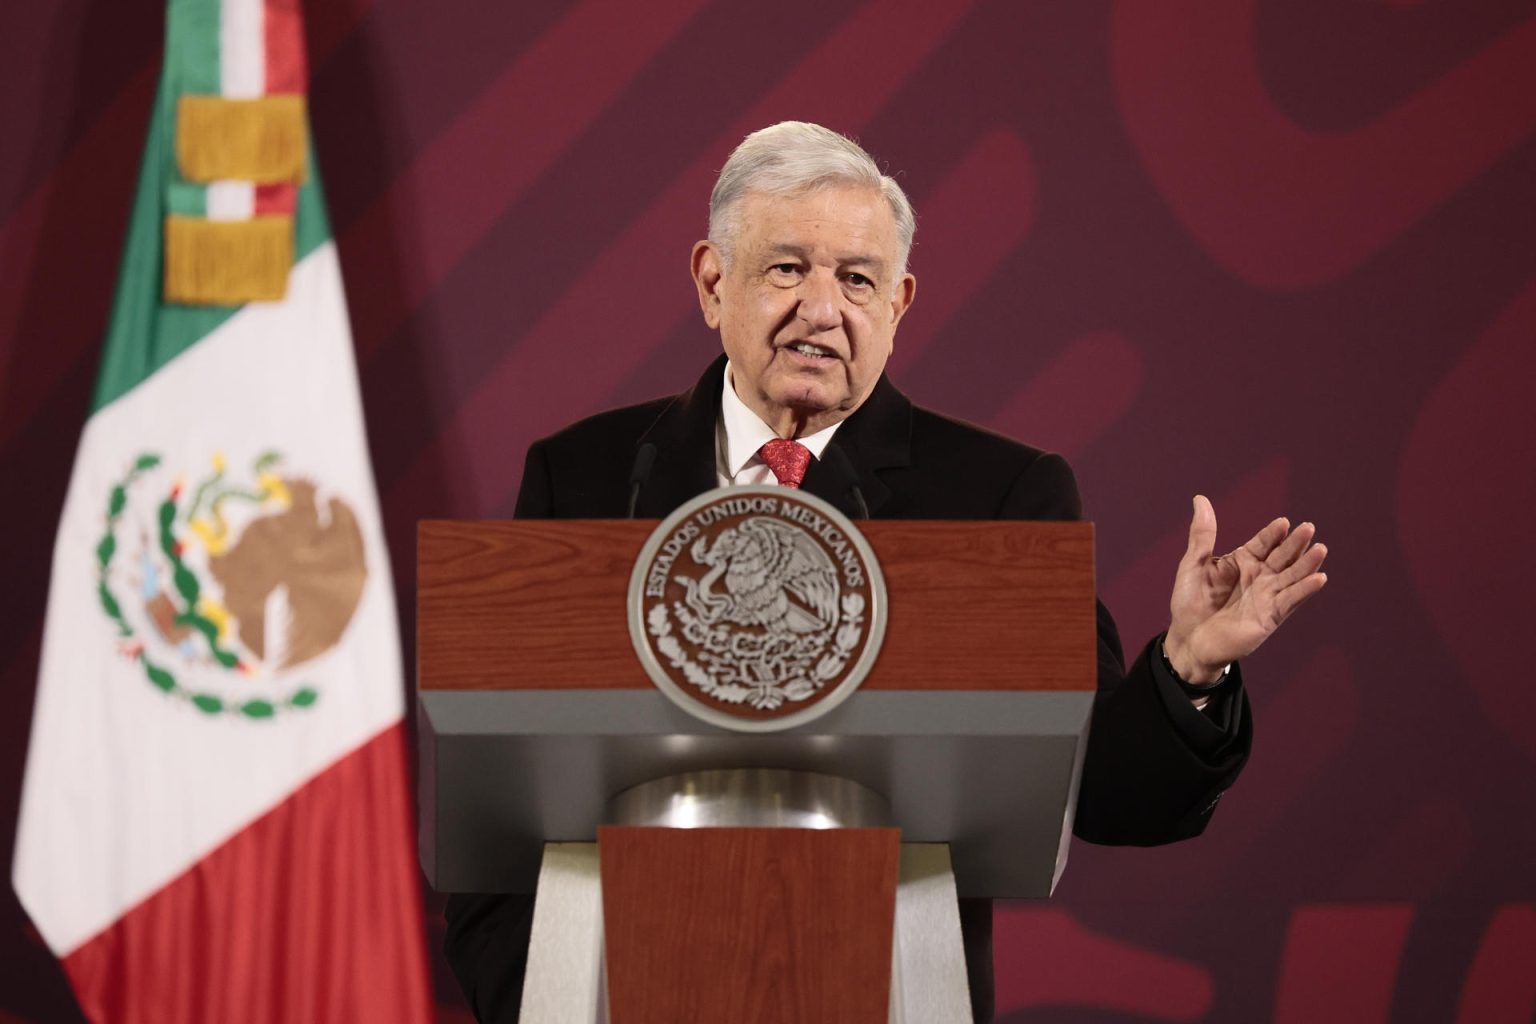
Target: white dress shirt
(739, 433)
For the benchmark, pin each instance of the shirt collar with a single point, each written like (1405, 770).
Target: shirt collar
(744, 432)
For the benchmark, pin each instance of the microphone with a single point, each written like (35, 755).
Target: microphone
(645, 458)
(837, 461)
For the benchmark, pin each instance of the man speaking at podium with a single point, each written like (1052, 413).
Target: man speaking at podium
(804, 274)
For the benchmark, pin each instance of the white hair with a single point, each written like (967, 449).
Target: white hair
(793, 157)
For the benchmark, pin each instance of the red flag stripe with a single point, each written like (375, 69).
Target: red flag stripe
(284, 31)
(310, 900)
(271, 199)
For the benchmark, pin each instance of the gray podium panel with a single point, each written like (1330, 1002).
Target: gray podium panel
(993, 774)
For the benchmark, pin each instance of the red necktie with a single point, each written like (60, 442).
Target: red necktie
(787, 459)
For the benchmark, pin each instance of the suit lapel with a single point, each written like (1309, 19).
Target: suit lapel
(684, 436)
(876, 437)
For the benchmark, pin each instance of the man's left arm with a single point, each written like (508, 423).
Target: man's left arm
(1156, 763)
(1156, 766)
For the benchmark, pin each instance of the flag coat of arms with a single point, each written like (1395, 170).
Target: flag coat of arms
(215, 822)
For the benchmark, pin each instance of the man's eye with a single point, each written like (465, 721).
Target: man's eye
(860, 281)
(784, 268)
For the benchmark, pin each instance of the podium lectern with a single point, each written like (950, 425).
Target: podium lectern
(749, 876)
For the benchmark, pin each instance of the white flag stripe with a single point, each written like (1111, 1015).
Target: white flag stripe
(231, 200)
(242, 49)
(128, 787)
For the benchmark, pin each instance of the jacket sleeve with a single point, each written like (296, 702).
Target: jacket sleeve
(1155, 765)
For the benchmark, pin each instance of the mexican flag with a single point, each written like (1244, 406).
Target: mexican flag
(216, 823)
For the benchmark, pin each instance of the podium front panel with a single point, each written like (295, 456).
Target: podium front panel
(534, 711)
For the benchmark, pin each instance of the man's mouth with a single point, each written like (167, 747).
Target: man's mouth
(805, 348)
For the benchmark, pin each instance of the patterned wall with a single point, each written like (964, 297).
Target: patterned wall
(1281, 251)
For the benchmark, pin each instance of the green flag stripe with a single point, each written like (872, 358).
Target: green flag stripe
(192, 45)
(187, 199)
(145, 332)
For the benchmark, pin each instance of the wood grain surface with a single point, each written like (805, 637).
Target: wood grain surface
(748, 925)
(541, 604)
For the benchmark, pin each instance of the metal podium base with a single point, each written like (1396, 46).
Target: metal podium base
(750, 798)
(564, 981)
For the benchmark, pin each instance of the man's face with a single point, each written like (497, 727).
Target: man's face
(809, 306)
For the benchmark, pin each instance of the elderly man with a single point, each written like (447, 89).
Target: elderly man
(804, 274)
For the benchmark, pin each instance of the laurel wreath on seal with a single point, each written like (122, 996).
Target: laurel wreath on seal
(188, 587)
(764, 694)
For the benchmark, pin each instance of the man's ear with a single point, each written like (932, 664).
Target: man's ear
(901, 301)
(705, 265)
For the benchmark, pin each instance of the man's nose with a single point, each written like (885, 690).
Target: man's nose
(820, 301)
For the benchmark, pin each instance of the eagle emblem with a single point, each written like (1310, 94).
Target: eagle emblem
(224, 590)
(773, 575)
(757, 605)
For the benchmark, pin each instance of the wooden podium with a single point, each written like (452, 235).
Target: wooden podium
(750, 877)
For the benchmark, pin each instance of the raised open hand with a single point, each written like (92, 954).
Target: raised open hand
(1223, 608)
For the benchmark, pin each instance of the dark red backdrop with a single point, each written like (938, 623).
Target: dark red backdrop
(1283, 252)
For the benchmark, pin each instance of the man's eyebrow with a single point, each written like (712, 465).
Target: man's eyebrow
(786, 249)
(862, 260)
(869, 260)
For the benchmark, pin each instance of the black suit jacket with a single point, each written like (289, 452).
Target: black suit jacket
(1155, 767)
